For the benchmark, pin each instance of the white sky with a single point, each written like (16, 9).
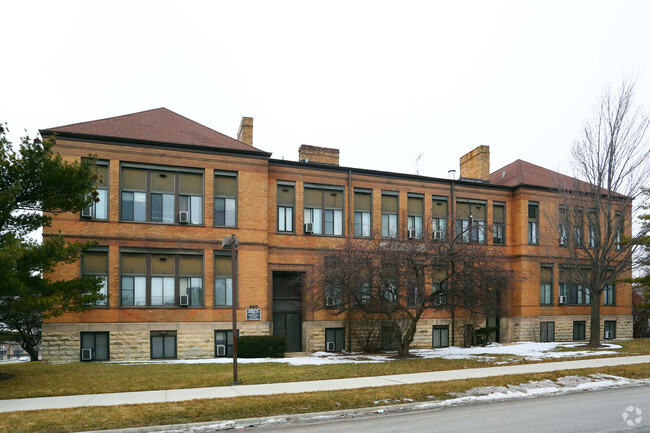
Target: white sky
(381, 81)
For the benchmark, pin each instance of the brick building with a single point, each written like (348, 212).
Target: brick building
(171, 189)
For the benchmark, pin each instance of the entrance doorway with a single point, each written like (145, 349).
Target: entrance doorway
(287, 308)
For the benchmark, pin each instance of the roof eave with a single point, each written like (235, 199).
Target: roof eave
(47, 133)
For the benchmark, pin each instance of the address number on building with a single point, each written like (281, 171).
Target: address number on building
(253, 314)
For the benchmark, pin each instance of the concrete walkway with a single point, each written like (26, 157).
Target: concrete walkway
(143, 397)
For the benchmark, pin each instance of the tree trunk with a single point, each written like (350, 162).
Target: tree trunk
(33, 353)
(594, 332)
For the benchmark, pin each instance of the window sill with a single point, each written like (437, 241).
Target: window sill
(285, 233)
(160, 223)
(98, 220)
(320, 235)
(223, 307)
(223, 227)
(161, 307)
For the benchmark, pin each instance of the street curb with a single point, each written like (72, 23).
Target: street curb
(309, 417)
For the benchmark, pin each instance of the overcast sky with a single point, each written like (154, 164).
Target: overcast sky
(382, 81)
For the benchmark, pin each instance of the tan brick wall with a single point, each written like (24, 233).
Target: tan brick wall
(323, 155)
(476, 164)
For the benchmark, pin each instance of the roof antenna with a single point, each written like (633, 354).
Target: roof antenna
(417, 160)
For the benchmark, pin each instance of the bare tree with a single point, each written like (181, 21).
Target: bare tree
(396, 280)
(611, 166)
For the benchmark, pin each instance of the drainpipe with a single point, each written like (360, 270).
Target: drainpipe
(452, 176)
(348, 324)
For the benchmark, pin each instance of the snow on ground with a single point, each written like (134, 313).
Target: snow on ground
(562, 385)
(529, 351)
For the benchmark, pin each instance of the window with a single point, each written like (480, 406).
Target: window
(546, 285)
(579, 330)
(191, 279)
(618, 221)
(562, 225)
(163, 344)
(439, 285)
(594, 228)
(151, 279)
(470, 220)
(285, 199)
(95, 345)
(440, 336)
(153, 195)
(415, 215)
(533, 223)
(95, 263)
(323, 208)
(362, 213)
(578, 235)
(99, 209)
(222, 281)
(225, 199)
(415, 292)
(575, 294)
(334, 339)
(610, 329)
(388, 338)
(546, 332)
(389, 207)
(498, 224)
(440, 214)
(223, 343)
(610, 295)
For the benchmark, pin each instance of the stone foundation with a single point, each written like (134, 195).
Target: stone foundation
(131, 342)
(528, 328)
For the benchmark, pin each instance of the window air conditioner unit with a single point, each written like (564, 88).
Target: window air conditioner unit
(183, 217)
(184, 300)
(562, 300)
(309, 228)
(331, 346)
(87, 212)
(221, 350)
(609, 335)
(86, 354)
(437, 235)
(412, 234)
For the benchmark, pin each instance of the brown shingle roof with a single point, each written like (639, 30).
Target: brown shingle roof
(159, 125)
(524, 173)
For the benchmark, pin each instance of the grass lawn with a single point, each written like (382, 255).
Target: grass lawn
(35, 379)
(97, 418)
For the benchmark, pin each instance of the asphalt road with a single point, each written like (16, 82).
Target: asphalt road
(588, 412)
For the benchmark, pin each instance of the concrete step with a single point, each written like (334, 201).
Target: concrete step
(294, 354)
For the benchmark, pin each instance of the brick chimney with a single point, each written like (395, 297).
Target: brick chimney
(321, 155)
(245, 133)
(475, 165)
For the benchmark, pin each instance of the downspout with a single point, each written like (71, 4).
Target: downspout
(453, 232)
(350, 213)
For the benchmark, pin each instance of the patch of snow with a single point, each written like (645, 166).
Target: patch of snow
(486, 393)
(529, 351)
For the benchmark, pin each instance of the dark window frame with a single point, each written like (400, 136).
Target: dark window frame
(533, 223)
(163, 335)
(225, 198)
(105, 290)
(471, 230)
(151, 194)
(284, 207)
(609, 325)
(102, 186)
(388, 233)
(439, 225)
(326, 212)
(148, 275)
(546, 331)
(94, 346)
(499, 227)
(439, 328)
(546, 288)
(362, 214)
(579, 330)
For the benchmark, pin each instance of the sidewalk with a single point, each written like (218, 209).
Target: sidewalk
(143, 397)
